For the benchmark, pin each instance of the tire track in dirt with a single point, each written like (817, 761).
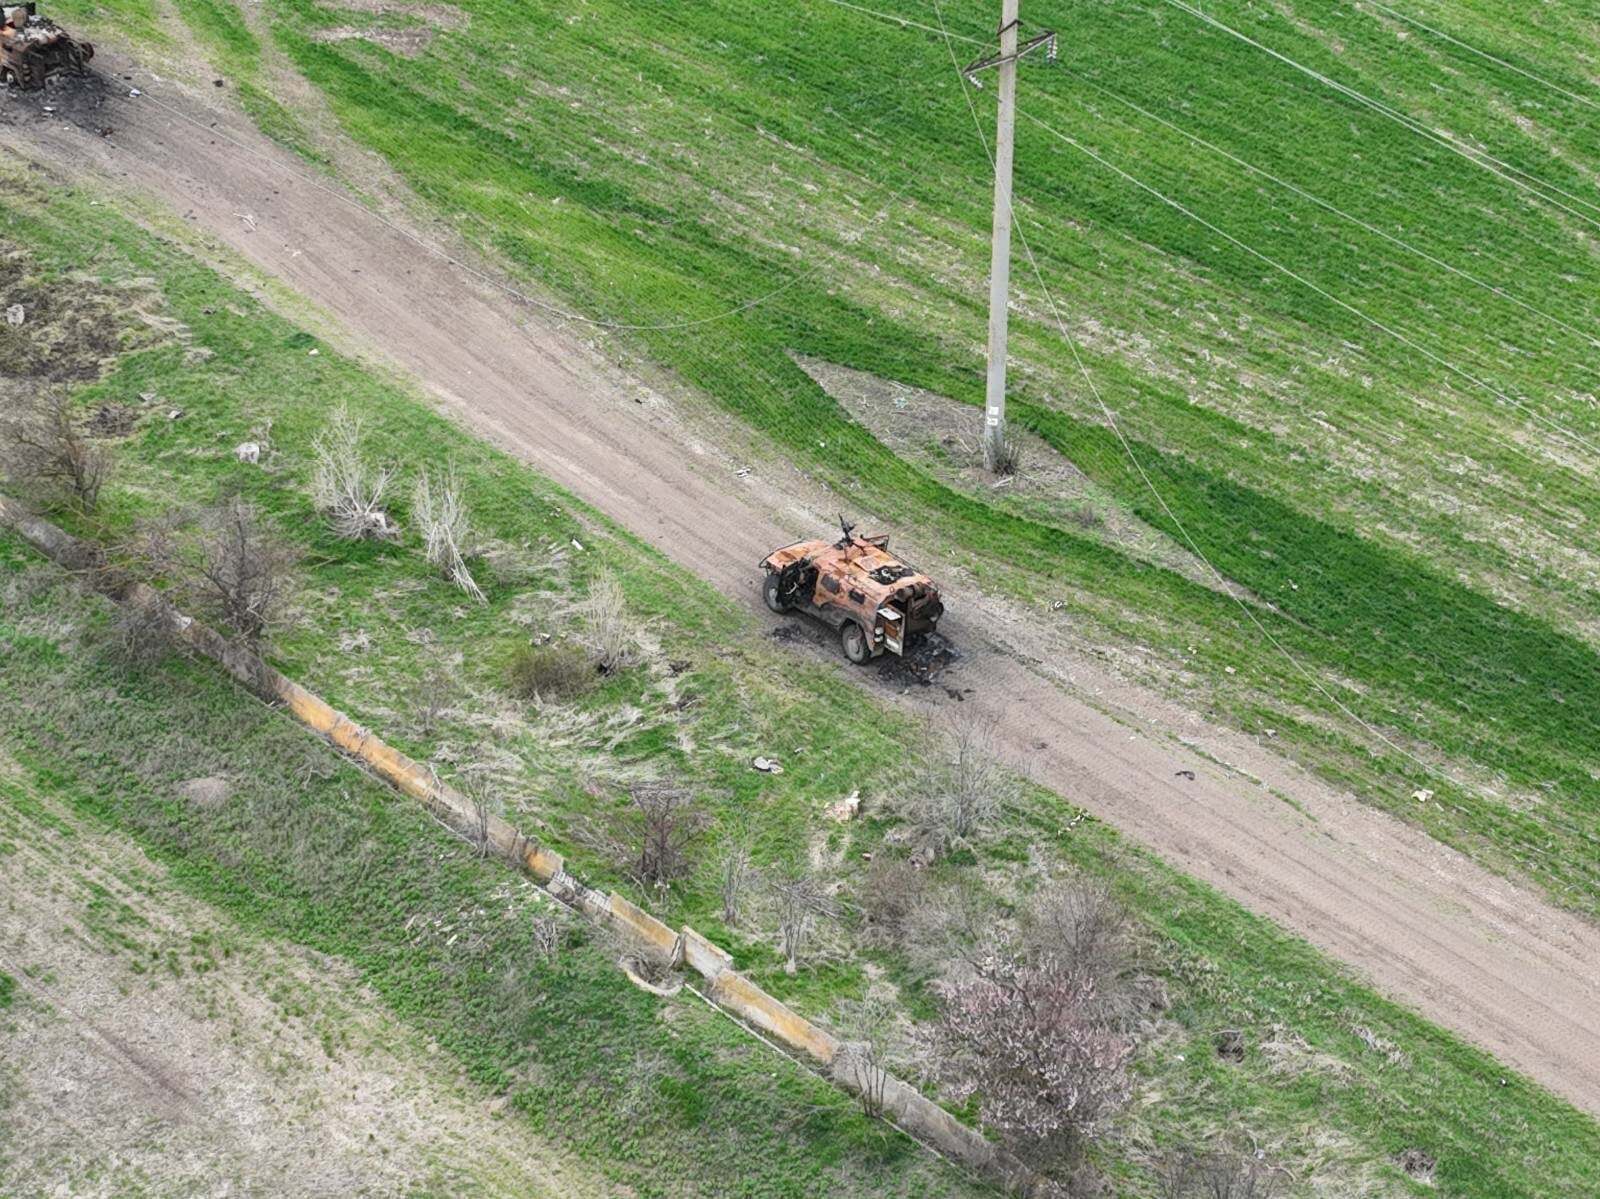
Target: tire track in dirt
(1466, 948)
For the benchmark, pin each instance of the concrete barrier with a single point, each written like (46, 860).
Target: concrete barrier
(903, 1105)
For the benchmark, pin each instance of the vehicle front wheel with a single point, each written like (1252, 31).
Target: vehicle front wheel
(772, 593)
(856, 646)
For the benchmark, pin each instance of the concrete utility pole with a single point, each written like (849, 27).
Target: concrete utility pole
(994, 411)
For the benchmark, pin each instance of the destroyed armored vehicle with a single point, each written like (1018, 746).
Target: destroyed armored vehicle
(33, 48)
(877, 602)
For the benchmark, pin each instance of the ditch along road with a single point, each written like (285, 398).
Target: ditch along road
(1469, 950)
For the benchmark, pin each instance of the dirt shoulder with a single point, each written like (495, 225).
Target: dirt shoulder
(1466, 948)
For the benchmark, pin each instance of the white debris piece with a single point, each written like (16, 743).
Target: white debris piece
(1422, 795)
(16, 314)
(842, 811)
(767, 766)
(248, 452)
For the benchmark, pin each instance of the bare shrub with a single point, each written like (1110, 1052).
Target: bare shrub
(141, 635)
(548, 937)
(433, 698)
(1082, 925)
(862, 1064)
(221, 560)
(543, 673)
(891, 893)
(1219, 1174)
(1025, 1037)
(47, 455)
(482, 807)
(801, 902)
(734, 875)
(957, 785)
(346, 488)
(441, 518)
(651, 835)
(610, 632)
(1005, 459)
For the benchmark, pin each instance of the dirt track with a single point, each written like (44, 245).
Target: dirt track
(1426, 926)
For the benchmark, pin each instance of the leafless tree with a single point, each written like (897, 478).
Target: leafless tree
(651, 835)
(890, 895)
(441, 518)
(222, 560)
(1023, 1035)
(45, 452)
(611, 632)
(801, 902)
(957, 784)
(142, 634)
(734, 877)
(347, 488)
(862, 1064)
(482, 807)
(433, 700)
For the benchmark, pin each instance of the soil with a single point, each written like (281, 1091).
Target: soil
(1467, 948)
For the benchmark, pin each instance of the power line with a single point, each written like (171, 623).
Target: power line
(1337, 211)
(1399, 336)
(1222, 581)
(1479, 158)
(906, 22)
(1471, 49)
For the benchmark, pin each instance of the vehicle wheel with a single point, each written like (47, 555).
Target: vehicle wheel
(856, 646)
(771, 591)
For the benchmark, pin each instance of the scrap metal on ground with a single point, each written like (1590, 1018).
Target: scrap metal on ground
(877, 602)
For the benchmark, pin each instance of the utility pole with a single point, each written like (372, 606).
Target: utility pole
(994, 410)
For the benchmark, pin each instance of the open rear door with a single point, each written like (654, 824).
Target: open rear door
(894, 630)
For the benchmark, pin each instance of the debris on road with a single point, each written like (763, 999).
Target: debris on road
(34, 49)
(1186, 774)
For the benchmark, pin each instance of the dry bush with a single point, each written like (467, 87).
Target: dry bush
(1004, 460)
(441, 518)
(556, 672)
(141, 635)
(891, 894)
(483, 806)
(46, 455)
(862, 1063)
(1219, 1174)
(801, 902)
(1024, 1035)
(346, 488)
(1082, 925)
(651, 836)
(549, 936)
(956, 785)
(222, 561)
(610, 632)
(735, 872)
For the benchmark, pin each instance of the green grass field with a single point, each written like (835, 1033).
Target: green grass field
(1420, 550)
(1335, 1082)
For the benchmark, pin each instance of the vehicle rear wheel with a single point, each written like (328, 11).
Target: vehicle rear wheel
(772, 593)
(856, 646)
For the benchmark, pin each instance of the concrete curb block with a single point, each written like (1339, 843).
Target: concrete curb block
(903, 1105)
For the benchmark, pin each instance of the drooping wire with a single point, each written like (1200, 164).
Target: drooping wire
(1480, 158)
(1289, 272)
(1484, 54)
(1329, 206)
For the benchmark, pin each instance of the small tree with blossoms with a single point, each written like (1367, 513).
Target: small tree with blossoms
(1025, 1036)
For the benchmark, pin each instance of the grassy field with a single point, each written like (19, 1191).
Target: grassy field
(1335, 1082)
(1424, 548)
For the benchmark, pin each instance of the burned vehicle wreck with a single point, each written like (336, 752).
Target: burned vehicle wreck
(877, 602)
(34, 48)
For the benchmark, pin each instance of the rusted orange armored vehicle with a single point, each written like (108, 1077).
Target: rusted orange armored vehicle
(876, 601)
(33, 48)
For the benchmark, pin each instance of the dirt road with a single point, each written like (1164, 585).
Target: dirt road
(1427, 927)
